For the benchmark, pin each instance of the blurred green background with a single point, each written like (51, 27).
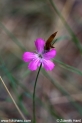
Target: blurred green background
(59, 92)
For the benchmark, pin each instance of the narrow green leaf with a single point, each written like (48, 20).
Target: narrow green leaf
(28, 94)
(26, 73)
(63, 91)
(21, 105)
(68, 67)
(74, 37)
(59, 39)
(12, 36)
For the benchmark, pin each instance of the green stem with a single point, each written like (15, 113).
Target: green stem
(74, 37)
(34, 116)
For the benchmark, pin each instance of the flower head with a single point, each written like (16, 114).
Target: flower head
(42, 56)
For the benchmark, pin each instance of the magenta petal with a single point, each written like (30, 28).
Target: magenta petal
(47, 64)
(27, 56)
(49, 54)
(33, 65)
(40, 43)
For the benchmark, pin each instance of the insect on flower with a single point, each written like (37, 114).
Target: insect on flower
(48, 44)
(44, 52)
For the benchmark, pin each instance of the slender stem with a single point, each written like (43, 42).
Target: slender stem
(34, 116)
(13, 99)
(74, 37)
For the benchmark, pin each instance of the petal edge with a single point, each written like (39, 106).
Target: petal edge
(33, 65)
(27, 56)
(50, 54)
(40, 43)
(48, 65)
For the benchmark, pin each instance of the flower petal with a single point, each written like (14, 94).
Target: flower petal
(47, 64)
(27, 56)
(40, 43)
(33, 65)
(49, 54)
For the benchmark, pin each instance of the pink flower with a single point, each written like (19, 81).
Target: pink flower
(42, 56)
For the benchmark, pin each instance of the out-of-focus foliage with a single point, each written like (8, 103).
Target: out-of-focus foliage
(59, 92)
